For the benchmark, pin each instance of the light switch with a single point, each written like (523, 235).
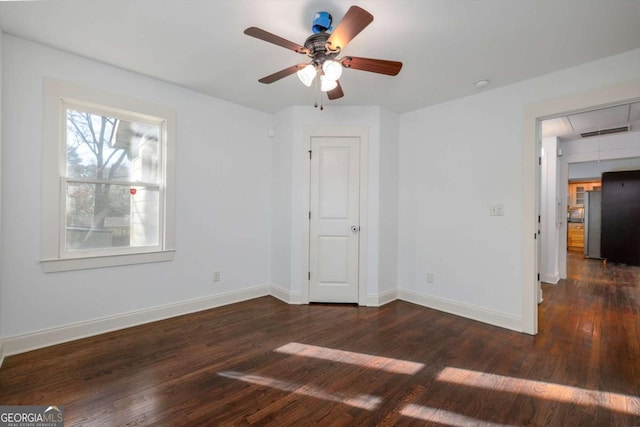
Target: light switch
(496, 210)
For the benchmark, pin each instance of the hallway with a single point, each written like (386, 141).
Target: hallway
(598, 308)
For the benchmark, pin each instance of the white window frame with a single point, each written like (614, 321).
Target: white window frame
(58, 97)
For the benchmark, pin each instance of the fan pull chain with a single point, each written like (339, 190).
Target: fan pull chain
(316, 92)
(315, 104)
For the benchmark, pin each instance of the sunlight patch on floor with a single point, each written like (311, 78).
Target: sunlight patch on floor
(542, 390)
(363, 401)
(394, 366)
(441, 416)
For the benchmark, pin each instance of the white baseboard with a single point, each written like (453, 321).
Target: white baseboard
(284, 295)
(480, 314)
(296, 298)
(551, 279)
(382, 299)
(32, 341)
(23, 343)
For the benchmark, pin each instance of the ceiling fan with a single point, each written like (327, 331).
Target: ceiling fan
(324, 47)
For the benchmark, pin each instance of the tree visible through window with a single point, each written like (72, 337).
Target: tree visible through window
(113, 180)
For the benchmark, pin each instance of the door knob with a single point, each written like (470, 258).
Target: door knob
(355, 228)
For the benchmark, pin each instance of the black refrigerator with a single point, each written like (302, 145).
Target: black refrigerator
(621, 217)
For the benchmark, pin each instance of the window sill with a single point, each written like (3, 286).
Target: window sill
(70, 264)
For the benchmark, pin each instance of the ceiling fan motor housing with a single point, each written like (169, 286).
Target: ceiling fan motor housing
(316, 43)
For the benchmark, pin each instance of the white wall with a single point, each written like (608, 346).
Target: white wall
(281, 192)
(456, 160)
(598, 148)
(223, 176)
(388, 218)
(595, 169)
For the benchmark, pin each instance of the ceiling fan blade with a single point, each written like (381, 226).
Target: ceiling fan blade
(381, 66)
(282, 74)
(336, 92)
(277, 40)
(355, 20)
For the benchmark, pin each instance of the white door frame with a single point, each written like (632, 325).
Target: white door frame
(533, 114)
(362, 133)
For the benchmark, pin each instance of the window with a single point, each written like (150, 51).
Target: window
(112, 181)
(108, 172)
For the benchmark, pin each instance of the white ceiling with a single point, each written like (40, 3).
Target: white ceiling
(571, 126)
(446, 46)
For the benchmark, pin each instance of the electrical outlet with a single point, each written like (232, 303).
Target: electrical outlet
(429, 277)
(216, 276)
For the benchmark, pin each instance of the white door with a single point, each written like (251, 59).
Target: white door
(334, 219)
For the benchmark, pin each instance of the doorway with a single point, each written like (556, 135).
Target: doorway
(580, 148)
(336, 204)
(534, 114)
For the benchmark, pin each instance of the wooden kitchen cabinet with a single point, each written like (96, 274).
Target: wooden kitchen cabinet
(577, 190)
(575, 236)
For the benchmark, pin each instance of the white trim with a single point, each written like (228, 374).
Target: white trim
(67, 264)
(45, 338)
(382, 299)
(284, 295)
(612, 95)
(361, 132)
(552, 279)
(480, 314)
(40, 339)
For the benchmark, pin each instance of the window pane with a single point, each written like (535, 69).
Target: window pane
(111, 149)
(111, 216)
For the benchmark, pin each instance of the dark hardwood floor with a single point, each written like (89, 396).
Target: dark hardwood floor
(264, 362)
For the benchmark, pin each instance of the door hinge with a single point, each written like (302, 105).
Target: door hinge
(309, 275)
(540, 161)
(538, 277)
(535, 236)
(309, 154)
(538, 219)
(309, 214)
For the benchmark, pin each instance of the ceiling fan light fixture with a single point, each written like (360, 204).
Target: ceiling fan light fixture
(307, 74)
(332, 69)
(327, 84)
